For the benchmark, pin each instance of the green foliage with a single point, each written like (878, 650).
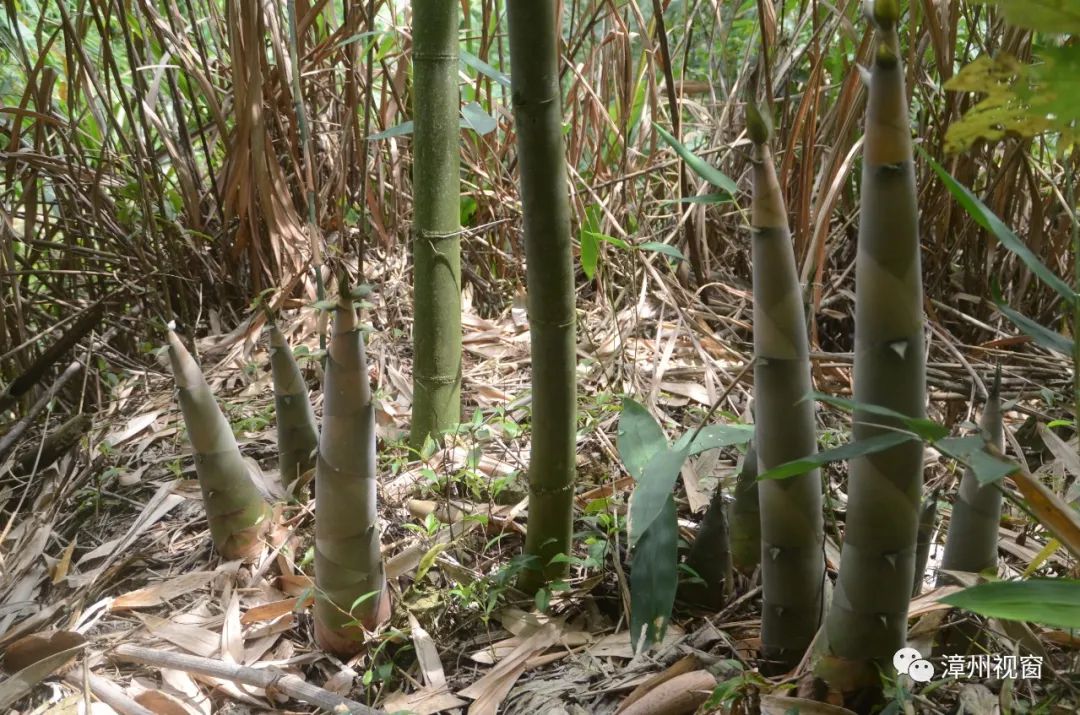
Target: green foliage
(1050, 602)
(701, 167)
(1020, 99)
(966, 450)
(653, 527)
(986, 218)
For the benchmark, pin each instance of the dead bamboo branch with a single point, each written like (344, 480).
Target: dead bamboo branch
(267, 678)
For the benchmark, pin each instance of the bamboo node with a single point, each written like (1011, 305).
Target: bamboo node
(423, 234)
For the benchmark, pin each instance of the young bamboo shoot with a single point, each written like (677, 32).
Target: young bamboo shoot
(349, 575)
(235, 510)
(297, 436)
(792, 531)
(867, 621)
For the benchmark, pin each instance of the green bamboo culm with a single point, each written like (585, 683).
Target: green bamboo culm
(792, 530)
(537, 100)
(971, 543)
(867, 619)
(436, 221)
(350, 579)
(235, 509)
(297, 435)
(744, 517)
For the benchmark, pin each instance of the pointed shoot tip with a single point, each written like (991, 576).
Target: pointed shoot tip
(757, 126)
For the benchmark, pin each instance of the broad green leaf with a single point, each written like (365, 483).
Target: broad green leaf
(715, 436)
(1049, 602)
(590, 252)
(665, 248)
(484, 68)
(1049, 339)
(639, 437)
(654, 578)
(870, 445)
(989, 220)
(926, 429)
(701, 167)
(474, 117)
(397, 131)
(654, 490)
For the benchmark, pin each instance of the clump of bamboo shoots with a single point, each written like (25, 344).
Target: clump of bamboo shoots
(235, 509)
(792, 530)
(349, 576)
(867, 620)
(297, 436)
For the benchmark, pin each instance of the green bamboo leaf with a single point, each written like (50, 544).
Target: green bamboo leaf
(639, 437)
(971, 451)
(870, 445)
(399, 130)
(1049, 339)
(654, 578)
(590, 252)
(1049, 602)
(1053, 16)
(474, 117)
(484, 68)
(617, 242)
(716, 436)
(925, 429)
(654, 490)
(989, 220)
(702, 168)
(665, 248)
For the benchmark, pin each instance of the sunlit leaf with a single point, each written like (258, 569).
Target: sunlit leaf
(1055, 16)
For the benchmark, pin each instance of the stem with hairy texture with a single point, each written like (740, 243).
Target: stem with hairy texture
(537, 99)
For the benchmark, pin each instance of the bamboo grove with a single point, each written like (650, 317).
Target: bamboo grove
(772, 522)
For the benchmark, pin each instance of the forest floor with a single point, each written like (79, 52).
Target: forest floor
(111, 541)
